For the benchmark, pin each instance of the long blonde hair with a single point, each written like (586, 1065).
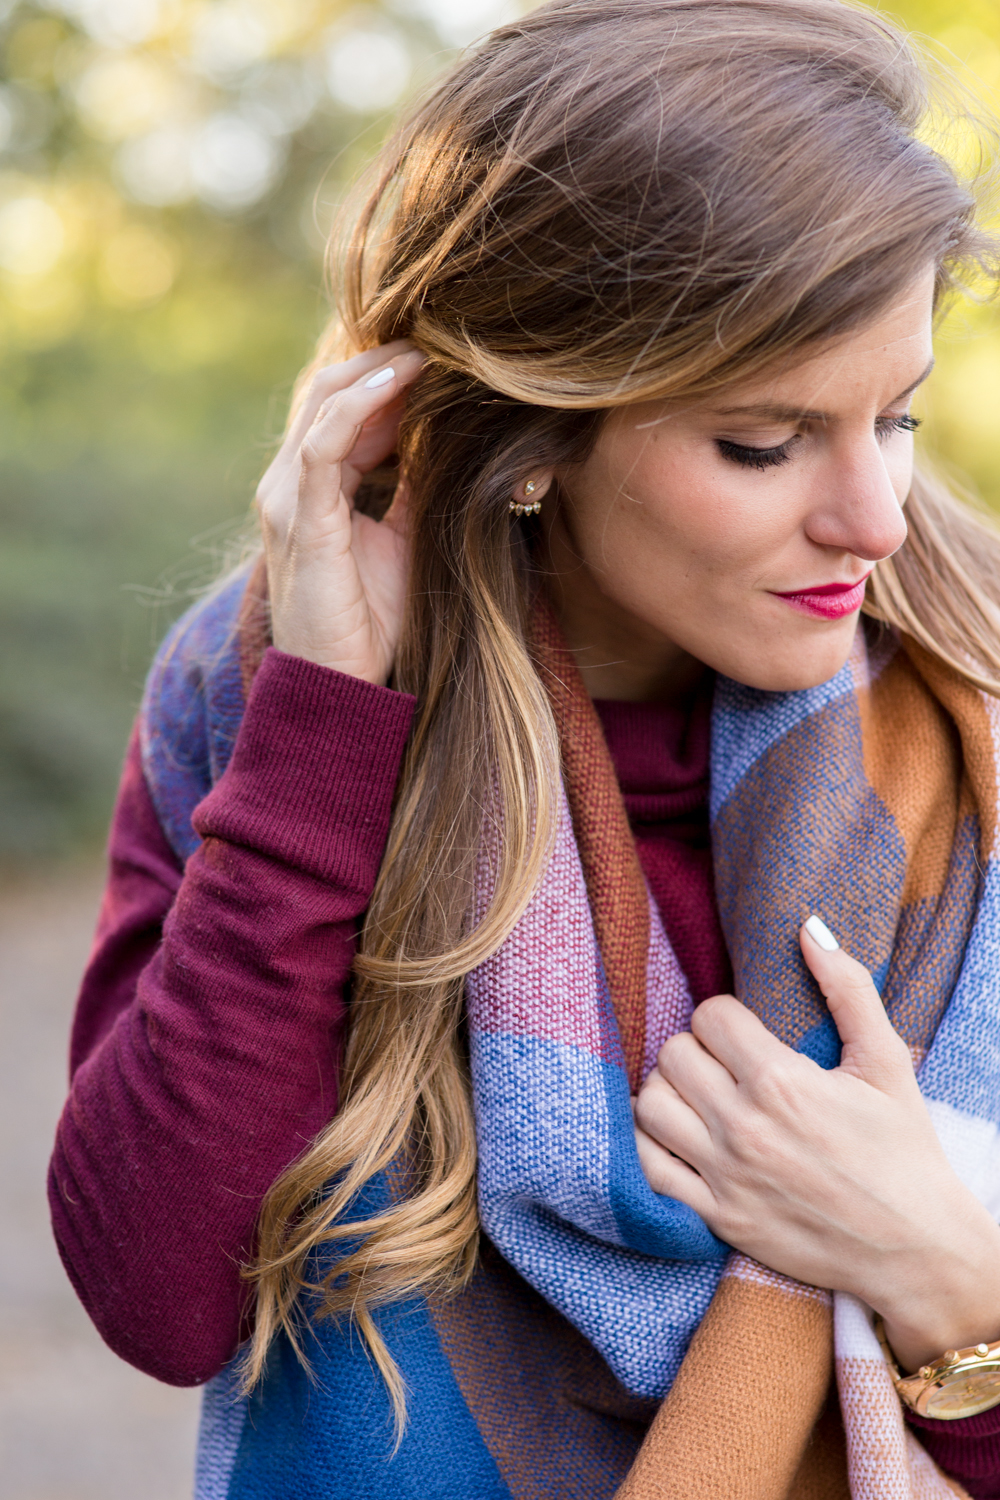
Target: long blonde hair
(610, 201)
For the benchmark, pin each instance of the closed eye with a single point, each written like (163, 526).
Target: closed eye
(755, 458)
(885, 427)
(769, 458)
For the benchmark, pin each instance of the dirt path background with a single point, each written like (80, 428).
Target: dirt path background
(76, 1423)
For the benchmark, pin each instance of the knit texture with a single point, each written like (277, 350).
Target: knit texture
(873, 800)
(661, 753)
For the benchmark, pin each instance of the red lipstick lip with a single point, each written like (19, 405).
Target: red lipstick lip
(826, 601)
(823, 590)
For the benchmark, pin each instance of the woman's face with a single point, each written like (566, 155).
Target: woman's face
(739, 530)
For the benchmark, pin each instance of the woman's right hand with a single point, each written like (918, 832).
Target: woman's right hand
(337, 579)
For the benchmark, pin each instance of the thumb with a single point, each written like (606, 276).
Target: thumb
(873, 1050)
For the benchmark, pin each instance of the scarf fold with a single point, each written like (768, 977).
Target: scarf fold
(873, 801)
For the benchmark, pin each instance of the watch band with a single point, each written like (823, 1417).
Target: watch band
(961, 1383)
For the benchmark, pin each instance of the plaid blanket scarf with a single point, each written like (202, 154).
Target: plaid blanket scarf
(608, 1344)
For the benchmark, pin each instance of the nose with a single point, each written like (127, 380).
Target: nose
(860, 507)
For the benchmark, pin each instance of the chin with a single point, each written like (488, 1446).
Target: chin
(805, 661)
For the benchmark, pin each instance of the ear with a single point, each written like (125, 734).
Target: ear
(533, 488)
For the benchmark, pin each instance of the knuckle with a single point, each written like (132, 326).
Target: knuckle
(853, 973)
(643, 1114)
(264, 505)
(857, 981)
(671, 1055)
(664, 1055)
(332, 407)
(776, 1086)
(647, 1107)
(709, 1010)
(751, 1140)
(326, 381)
(654, 1168)
(311, 453)
(649, 1088)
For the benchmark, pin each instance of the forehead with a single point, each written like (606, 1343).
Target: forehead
(893, 352)
(878, 364)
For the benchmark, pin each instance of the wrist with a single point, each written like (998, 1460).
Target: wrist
(364, 669)
(347, 642)
(919, 1344)
(951, 1300)
(959, 1384)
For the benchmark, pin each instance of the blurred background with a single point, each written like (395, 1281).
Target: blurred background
(168, 169)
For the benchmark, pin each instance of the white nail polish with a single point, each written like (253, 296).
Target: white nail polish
(382, 378)
(821, 934)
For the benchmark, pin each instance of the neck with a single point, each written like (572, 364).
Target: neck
(618, 655)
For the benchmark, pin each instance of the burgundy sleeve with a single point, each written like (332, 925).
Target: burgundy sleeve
(967, 1450)
(209, 1026)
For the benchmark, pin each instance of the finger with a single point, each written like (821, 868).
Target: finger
(330, 442)
(733, 1035)
(378, 437)
(670, 1121)
(332, 378)
(873, 1050)
(325, 383)
(699, 1078)
(672, 1177)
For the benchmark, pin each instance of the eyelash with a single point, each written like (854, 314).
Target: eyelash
(769, 458)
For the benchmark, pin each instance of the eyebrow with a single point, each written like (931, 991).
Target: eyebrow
(770, 411)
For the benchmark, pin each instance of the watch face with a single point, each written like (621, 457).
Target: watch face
(963, 1393)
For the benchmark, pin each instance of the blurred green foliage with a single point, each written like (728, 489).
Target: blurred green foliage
(167, 171)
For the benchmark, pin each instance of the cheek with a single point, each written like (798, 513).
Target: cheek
(899, 467)
(679, 509)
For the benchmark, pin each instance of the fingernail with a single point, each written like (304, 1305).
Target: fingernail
(821, 934)
(382, 378)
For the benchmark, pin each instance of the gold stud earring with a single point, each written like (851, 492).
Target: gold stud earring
(533, 507)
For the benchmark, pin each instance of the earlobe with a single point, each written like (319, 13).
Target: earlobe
(528, 495)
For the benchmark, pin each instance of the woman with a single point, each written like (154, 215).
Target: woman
(412, 894)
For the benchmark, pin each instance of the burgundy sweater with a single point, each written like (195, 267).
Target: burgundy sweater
(210, 1022)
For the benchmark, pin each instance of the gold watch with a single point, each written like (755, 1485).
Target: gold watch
(962, 1383)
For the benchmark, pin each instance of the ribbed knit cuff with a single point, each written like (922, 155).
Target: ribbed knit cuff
(313, 771)
(986, 1425)
(967, 1449)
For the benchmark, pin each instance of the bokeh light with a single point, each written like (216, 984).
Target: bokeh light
(32, 236)
(367, 69)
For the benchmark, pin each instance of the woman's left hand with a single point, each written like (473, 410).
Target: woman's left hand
(833, 1177)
